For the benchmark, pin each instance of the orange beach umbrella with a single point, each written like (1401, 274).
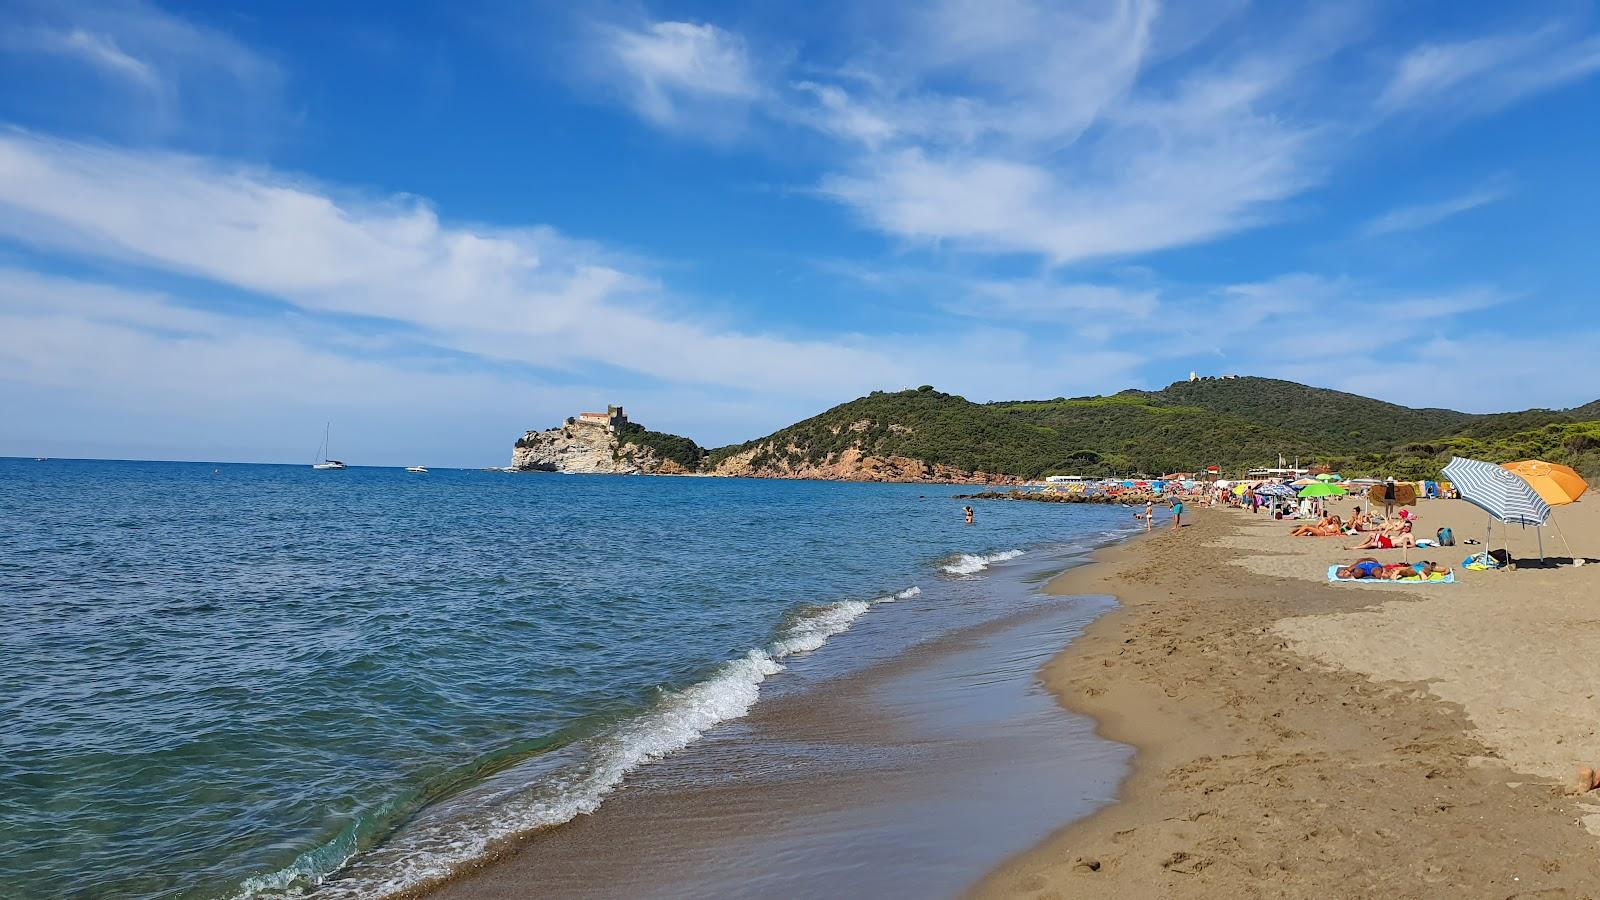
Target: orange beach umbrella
(1556, 485)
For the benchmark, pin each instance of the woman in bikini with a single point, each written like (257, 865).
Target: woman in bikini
(1328, 526)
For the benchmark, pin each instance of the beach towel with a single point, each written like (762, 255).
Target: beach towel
(1333, 575)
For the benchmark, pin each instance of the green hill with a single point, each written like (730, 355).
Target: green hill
(1235, 423)
(923, 424)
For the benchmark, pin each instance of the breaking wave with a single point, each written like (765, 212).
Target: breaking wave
(437, 847)
(973, 563)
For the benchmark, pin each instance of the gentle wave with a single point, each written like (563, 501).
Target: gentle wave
(973, 563)
(677, 720)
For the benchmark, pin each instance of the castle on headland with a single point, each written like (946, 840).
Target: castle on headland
(612, 420)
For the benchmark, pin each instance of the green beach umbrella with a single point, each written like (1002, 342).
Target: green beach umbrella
(1329, 477)
(1322, 489)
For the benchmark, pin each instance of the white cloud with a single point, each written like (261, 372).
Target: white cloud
(1025, 127)
(518, 297)
(1475, 372)
(671, 71)
(176, 77)
(1413, 218)
(101, 51)
(1485, 74)
(526, 295)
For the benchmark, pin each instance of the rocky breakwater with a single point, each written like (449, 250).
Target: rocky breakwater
(586, 449)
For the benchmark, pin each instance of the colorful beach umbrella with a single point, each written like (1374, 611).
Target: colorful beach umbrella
(1322, 489)
(1555, 484)
(1497, 491)
(1329, 477)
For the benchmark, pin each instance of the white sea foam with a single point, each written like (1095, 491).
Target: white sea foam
(906, 594)
(973, 563)
(429, 853)
(810, 632)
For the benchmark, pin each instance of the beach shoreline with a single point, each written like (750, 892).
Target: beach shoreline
(1267, 762)
(910, 744)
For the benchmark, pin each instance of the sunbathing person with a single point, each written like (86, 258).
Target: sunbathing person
(1381, 541)
(1365, 567)
(1327, 526)
(1360, 521)
(1422, 571)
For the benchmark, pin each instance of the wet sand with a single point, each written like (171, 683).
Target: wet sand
(1301, 739)
(910, 778)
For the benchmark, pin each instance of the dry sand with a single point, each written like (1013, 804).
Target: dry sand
(1302, 739)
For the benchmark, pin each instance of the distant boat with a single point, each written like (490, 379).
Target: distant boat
(420, 470)
(322, 452)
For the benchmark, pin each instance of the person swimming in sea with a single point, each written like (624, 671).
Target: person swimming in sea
(968, 511)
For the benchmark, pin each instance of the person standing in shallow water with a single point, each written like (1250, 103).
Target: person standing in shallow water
(968, 511)
(1149, 514)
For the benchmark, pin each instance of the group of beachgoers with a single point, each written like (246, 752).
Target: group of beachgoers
(1382, 533)
(1390, 532)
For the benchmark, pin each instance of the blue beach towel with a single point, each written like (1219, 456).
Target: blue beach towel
(1333, 575)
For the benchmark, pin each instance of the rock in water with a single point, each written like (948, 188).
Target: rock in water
(580, 448)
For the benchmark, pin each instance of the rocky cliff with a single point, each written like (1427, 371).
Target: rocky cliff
(589, 450)
(849, 464)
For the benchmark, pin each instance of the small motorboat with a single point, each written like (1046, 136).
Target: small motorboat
(420, 470)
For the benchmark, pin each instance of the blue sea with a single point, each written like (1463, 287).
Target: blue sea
(224, 680)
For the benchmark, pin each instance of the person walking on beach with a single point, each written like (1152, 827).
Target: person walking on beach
(968, 511)
(1388, 499)
(1177, 513)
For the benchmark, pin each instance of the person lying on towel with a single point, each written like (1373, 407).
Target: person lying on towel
(1367, 567)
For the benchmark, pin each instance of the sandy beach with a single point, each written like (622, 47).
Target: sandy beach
(1297, 738)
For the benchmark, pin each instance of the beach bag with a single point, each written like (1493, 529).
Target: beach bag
(1479, 562)
(1447, 538)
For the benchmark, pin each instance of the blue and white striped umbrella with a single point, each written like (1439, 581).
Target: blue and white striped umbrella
(1497, 492)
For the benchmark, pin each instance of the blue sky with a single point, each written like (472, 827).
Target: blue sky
(439, 224)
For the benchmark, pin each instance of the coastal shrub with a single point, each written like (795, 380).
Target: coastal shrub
(677, 448)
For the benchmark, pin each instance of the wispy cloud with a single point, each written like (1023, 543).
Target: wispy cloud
(175, 75)
(522, 297)
(525, 294)
(1487, 73)
(1423, 215)
(101, 51)
(965, 125)
(671, 71)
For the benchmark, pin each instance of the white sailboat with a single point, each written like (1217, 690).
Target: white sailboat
(322, 452)
(420, 470)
